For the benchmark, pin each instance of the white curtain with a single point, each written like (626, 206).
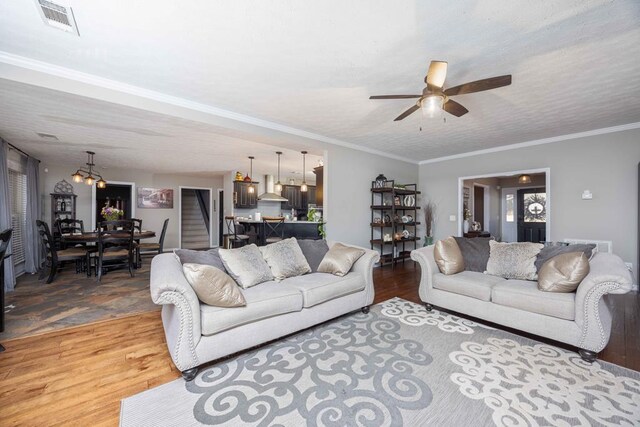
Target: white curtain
(5, 213)
(32, 247)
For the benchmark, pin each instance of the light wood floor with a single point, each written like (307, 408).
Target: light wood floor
(77, 376)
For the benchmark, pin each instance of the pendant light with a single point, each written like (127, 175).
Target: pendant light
(278, 187)
(303, 187)
(251, 188)
(524, 179)
(89, 178)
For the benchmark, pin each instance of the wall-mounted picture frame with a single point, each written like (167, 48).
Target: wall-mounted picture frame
(155, 198)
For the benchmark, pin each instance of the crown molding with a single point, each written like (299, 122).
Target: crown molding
(535, 142)
(114, 85)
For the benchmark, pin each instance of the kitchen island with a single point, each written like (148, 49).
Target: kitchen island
(298, 229)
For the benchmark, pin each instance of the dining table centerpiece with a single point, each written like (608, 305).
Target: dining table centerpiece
(109, 213)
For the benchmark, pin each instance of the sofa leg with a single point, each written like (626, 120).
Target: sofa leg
(189, 374)
(366, 309)
(428, 306)
(588, 355)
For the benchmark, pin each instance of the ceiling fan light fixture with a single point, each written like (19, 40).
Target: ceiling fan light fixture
(432, 105)
(524, 179)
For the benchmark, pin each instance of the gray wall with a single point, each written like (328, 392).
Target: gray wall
(347, 182)
(605, 164)
(152, 219)
(492, 223)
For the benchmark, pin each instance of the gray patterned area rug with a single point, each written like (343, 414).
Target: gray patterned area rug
(397, 365)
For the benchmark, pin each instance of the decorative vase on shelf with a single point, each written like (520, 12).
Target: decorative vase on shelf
(465, 226)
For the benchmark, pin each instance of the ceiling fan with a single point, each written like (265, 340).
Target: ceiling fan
(435, 98)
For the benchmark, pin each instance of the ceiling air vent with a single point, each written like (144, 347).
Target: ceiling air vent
(57, 16)
(47, 136)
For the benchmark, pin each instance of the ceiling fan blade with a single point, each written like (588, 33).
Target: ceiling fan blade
(394, 96)
(454, 108)
(406, 113)
(436, 75)
(479, 85)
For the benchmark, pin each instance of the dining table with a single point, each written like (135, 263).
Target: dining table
(92, 236)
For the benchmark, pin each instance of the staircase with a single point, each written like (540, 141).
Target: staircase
(194, 229)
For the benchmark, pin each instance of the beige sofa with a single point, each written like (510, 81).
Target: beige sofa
(197, 333)
(581, 319)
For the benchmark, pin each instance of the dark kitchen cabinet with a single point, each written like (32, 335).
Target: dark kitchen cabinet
(242, 199)
(293, 196)
(319, 171)
(311, 195)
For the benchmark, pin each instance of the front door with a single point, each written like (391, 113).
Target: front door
(532, 215)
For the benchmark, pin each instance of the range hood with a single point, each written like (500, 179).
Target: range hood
(270, 195)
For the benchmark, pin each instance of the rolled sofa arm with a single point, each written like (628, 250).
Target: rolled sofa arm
(364, 265)
(607, 275)
(180, 311)
(428, 267)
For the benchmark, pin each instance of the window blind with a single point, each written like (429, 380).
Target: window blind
(18, 199)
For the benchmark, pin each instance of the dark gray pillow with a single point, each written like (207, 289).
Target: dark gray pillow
(475, 252)
(549, 252)
(210, 257)
(314, 251)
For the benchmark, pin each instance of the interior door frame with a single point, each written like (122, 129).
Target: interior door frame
(547, 177)
(134, 200)
(189, 187)
(220, 213)
(486, 210)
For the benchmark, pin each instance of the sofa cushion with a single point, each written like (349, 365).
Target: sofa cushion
(285, 259)
(553, 251)
(469, 283)
(210, 257)
(246, 265)
(265, 300)
(448, 256)
(563, 273)
(317, 288)
(475, 252)
(513, 260)
(213, 286)
(339, 259)
(525, 295)
(314, 251)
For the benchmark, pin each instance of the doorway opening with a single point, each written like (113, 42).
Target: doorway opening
(510, 206)
(196, 230)
(118, 195)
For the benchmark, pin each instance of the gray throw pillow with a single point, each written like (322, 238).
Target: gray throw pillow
(246, 265)
(475, 252)
(549, 252)
(513, 260)
(314, 251)
(285, 259)
(210, 257)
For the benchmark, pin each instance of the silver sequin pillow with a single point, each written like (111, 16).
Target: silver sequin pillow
(285, 259)
(513, 260)
(246, 265)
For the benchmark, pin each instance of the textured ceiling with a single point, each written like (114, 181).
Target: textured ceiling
(131, 138)
(313, 65)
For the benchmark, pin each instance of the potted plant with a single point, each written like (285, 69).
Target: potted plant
(111, 214)
(429, 222)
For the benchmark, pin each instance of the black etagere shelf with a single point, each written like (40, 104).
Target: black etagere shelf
(390, 202)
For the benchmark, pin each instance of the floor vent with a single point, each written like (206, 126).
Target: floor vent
(57, 16)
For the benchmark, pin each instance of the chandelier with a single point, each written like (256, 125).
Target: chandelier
(87, 175)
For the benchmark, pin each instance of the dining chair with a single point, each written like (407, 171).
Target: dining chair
(5, 239)
(115, 246)
(272, 229)
(235, 238)
(65, 226)
(137, 227)
(153, 248)
(55, 257)
(137, 224)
